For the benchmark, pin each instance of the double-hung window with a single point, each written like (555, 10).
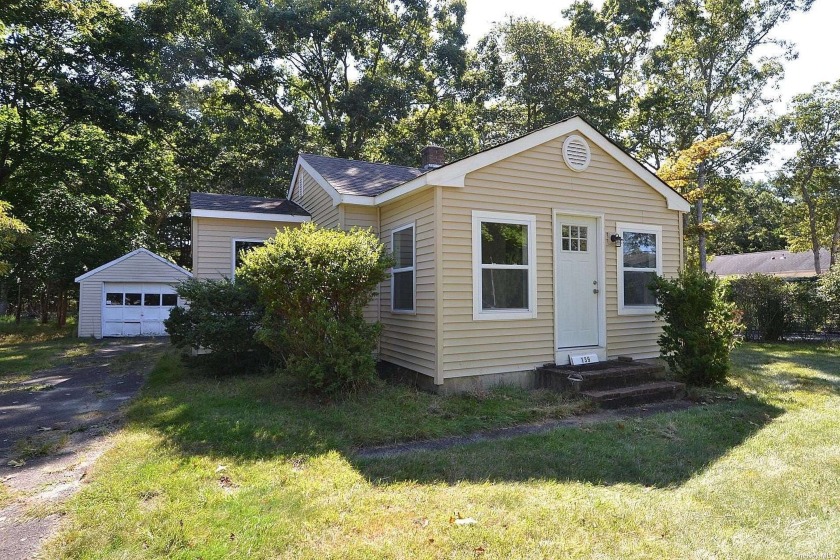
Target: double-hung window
(504, 266)
(639, 262)
(403, 272)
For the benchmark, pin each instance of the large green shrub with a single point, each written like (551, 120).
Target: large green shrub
(314, 284)
(828, 289)
(701, 327)
(762, 301)
(222, 317)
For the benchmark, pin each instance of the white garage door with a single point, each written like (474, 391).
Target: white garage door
(136, 309)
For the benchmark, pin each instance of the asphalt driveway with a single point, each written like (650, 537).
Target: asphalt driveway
(53, 426)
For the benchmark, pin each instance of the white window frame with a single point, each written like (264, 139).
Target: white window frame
(621, 228)
(233, 243)
(412, 269)
(530, 220)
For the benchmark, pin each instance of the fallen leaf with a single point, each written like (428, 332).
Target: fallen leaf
(221, 468)
(466, 521)
(421, 522)
(232, 536)
(478, 550)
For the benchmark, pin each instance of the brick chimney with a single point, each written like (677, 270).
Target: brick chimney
(432, 157)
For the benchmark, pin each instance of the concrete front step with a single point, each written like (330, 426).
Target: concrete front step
(636, 394)
(605, 375)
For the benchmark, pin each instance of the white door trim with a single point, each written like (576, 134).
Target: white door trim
(561, 355)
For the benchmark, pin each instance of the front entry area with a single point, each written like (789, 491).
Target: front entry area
(578, 279)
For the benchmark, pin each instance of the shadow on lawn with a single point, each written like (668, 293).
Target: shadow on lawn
(238, 419)
(661, 450)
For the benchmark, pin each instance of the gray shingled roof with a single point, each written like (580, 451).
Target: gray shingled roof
(360, 178)
(233, 203)
(777, 263)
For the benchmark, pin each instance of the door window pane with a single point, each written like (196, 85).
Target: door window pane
(151, 299)
(639, 250)
(574, 238)
(504, 243)
(404, 290)
(636, 288)
(504, 289)
(170, 300)
(133, 299)
(114, 298)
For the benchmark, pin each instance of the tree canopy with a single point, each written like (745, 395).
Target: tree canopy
(109, 119)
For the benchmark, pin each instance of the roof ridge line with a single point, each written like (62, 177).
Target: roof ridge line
(362, 161)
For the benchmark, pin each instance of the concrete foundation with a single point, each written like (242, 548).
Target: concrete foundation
(454, 385)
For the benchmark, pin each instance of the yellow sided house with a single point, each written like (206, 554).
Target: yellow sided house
(535, 251)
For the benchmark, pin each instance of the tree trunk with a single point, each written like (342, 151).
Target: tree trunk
(812, 225)
(835, 241)
(45, 305)
(61, 311)
(4, 298)
(19, 309)
(701, 233)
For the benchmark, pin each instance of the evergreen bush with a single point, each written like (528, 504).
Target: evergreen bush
(701, 327)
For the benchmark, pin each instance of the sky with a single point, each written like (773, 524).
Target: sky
(814, 33)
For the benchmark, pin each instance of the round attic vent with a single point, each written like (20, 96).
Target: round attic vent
(576, 153)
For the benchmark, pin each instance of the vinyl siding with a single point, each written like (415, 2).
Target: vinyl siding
(410, 340)
(536, 182)
(138, 268)
(213, 242)
(317, 202)
(364, 217)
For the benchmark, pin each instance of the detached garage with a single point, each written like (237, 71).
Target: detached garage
(129, 296)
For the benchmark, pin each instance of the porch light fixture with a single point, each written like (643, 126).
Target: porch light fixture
(615, 238)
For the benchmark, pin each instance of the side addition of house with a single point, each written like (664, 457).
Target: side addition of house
(528, 253)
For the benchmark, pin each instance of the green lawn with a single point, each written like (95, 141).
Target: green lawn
(245, 468)
(31, 346)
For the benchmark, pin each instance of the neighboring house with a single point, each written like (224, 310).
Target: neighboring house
(517, 256)
(775, 263)
(129, 296)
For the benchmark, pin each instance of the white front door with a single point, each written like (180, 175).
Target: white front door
(577, 289)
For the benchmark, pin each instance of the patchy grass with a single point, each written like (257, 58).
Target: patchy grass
(237, 468)
(31, 347)
(38, 445)
(5, 495)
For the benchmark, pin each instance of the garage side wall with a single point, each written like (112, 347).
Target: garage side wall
(137, 268)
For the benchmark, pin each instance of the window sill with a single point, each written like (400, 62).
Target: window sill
(641, 310)
(403, 312)
(498, 315)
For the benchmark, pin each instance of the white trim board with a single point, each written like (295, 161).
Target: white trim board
(561, 355)
(454, 174)
(253, 216)
(90, 273)
(529, 220)
(413, 311)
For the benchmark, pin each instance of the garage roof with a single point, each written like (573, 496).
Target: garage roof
(140, 251)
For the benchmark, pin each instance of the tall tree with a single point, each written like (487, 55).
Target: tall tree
(622, 30)
(812, 175)
(707, 79)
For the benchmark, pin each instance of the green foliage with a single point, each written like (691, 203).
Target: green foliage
(220, 316)
(761, 299)
(774, 308)
(314, 284)
(701, 327)
(811, 177)
(828, 288)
